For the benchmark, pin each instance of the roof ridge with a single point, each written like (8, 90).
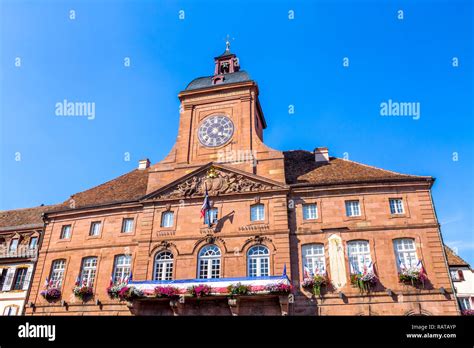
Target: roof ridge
(385, 170)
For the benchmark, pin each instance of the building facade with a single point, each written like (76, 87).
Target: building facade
(20, 235)
(463, 281)
(285, 232)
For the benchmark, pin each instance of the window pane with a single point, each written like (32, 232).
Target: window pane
(352, 208)
(405, 252)
(57, 273)
(167, 219)
(314, 261)
(66, 232)
(209, 261)
(359, 256)
(257, 212)
(310, 211)
(127, 225)
(13, 244)
(212, 215)
(163, 266)
(258, 261)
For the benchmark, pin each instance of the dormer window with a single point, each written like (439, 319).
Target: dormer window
(13, 245)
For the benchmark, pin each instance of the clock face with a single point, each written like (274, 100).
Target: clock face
(215, 131)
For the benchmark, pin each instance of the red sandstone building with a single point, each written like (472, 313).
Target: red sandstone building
(277, 218)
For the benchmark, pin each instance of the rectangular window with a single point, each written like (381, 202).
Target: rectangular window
(352, 208)
(396, 206)
(33, 242)
(13, 245)
(127, 225)
(310, 211)
(19, 279)
(95, 228)
(57, 273)
(89, 267)
(257, 212)
(66, 232)
(167, 219)
(122, 268)
(211, 215)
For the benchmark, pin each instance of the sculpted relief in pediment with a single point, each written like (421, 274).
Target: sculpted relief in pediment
(217, 182)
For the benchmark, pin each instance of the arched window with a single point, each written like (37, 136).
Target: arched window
(405, 252)
(57, 273)
(258, 261)
(209, 262)
(163, 266)
(314, 261)
(89, 268)
(359, 256)
(122, 268)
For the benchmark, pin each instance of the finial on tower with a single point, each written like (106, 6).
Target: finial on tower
(227, 44)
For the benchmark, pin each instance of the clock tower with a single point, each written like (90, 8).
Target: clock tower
(221, 121)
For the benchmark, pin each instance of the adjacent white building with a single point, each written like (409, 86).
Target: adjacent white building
(463, 280)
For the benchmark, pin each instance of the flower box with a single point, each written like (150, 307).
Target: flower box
(200, 290)
(113, 291)
(467, 312)
(51, 294)
(238, 289)
(365, 282)
(83, 292)
(315, 284)
(414, 276)
(278, 288)
(166, 292)
(129, 293)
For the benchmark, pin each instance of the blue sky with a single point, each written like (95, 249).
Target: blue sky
(295, 62)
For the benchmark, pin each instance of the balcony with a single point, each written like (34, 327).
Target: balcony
(274, 289)
(22, 252)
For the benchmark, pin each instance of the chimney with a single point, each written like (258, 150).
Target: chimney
(143, 164)
(321, 155)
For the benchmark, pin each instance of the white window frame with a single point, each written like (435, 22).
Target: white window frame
(127, 225)
(58, 267)
(94, 230)
(309, 213)
(258, 261)
(64, 234)
(19, 285)
(314, 259)
(163, 269)
(89, 269)
(465, 303)
(396, 206)
(14, 245)
(257, 212)
(212, 214)
(167, 219)
(353, 208)
(35, 243)
(358, 252)
(122, 268)
(10, 310)
(209, 262)
(405, 251)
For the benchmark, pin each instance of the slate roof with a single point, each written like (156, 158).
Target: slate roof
(205, 82)
(300, 168)
(453, 259)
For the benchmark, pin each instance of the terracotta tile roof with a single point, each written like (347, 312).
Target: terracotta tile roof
(453, 259)
(23, 218)
(128, 187)
(300, 168)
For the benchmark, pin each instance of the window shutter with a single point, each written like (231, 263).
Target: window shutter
(460, 275)
(26, 282)
(9, 279)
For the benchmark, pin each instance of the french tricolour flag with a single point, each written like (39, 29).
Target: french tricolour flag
(205, 205)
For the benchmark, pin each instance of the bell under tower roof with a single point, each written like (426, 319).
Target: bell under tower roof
(226, 71)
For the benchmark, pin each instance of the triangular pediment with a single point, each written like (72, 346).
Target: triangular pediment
(219, 180)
